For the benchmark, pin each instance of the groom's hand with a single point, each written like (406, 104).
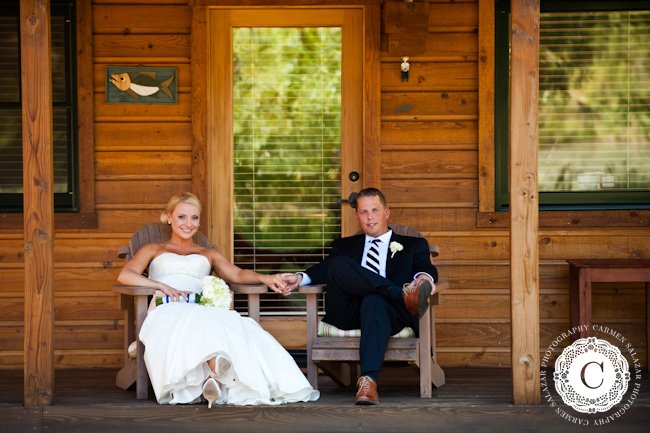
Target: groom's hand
(426, 277)
(276, 283)
(292, 281)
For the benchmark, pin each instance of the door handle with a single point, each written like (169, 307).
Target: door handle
(352, 200)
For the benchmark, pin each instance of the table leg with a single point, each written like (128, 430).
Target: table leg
(647, 325)
(574, 299)
(585, 294)
(580, 293)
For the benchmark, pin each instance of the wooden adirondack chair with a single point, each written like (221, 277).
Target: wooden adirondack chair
(134, 302)
(336, 355)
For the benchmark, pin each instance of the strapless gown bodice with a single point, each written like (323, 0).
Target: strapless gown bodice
(180, 272)
(180, 338)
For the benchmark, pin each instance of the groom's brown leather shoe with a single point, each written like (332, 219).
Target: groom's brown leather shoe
(416, 297)
(366, 391)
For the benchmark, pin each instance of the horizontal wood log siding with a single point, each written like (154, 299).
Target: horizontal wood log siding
(429, 171)
(430, 174)
(143, 155)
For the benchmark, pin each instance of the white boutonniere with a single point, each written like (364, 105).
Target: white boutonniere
(395, 247)
(216, 293)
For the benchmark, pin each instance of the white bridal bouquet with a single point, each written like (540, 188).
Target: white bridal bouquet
(216, 293)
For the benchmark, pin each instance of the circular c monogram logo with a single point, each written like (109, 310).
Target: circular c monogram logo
(591, 375)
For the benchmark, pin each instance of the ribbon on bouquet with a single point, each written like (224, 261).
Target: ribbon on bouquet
(193, 298)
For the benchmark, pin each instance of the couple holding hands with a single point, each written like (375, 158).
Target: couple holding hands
(193, 351)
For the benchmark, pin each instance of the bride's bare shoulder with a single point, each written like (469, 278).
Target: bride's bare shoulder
(208, 252)
(153, 249)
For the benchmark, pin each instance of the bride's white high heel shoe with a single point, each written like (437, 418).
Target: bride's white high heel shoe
(211, 390)
(221, 366)
(211, 387)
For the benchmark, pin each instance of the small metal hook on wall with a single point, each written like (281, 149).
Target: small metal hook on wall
(405, 66)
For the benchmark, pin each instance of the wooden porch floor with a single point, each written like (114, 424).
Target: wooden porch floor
(473, 400)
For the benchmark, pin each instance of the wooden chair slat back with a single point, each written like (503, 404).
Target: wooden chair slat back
(159, 232)
(408, 231)
(405, 231)
(401, 230)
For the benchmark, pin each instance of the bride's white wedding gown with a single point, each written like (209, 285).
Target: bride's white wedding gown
(179, 339)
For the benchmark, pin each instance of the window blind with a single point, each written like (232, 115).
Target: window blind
(287, 150)
(11, 162)
(11, 153)
(594, 88)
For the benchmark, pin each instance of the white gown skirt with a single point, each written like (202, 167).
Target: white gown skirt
(180, 338)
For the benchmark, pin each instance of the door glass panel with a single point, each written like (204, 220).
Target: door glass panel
(287, 149)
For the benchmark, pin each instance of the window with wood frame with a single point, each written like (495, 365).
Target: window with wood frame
(64, 97)
(594, 120)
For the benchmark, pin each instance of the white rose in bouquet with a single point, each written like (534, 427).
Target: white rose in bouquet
(216, 293)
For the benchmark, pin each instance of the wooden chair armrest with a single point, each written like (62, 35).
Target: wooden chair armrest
(248, 288)
(133, 290)
(321, 288)
(123, 252)
(434, 250)
(315, 288)
(441, 285)
(435, 298)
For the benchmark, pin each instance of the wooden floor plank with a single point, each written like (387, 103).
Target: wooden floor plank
(474, 399)
(21, 419)
(301, 418)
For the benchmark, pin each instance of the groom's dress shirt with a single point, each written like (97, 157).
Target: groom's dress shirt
(382, 246)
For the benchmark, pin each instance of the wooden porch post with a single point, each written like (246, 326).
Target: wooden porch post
(524, 212)
(38, 201)
(371, 94)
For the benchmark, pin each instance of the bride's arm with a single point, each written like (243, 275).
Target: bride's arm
(131, 274)
(235, 274)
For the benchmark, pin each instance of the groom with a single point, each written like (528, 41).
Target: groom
(378, 281)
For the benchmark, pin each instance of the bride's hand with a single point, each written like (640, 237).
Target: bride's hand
(175, 295)
(277, 284)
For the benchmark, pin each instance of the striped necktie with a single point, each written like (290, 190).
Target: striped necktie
(372, 258)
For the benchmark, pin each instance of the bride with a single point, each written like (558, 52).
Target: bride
(193, 350)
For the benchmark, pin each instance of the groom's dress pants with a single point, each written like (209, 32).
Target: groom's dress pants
(358, 298)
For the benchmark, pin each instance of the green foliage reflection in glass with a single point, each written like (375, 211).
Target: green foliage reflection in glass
(287, 144)
(594, 122)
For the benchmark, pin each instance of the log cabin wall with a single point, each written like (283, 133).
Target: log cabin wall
(429, 172)
(432, 175)
(142, 156)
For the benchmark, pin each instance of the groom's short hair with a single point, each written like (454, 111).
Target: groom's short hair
(370, 192)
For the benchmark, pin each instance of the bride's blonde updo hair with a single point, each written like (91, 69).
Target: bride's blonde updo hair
(186, 197)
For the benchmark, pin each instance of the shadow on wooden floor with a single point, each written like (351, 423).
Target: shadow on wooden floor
(473, 400)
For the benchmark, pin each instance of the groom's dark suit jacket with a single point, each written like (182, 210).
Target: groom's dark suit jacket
(400, 268)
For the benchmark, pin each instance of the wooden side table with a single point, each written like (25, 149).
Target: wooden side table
(585, 272)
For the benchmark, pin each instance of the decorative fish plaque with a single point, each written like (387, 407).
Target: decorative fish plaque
(141, 85)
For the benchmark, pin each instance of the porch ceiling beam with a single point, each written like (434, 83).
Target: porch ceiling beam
(524, 224)
(38, 201)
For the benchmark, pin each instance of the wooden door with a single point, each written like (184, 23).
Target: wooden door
(223, 24)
